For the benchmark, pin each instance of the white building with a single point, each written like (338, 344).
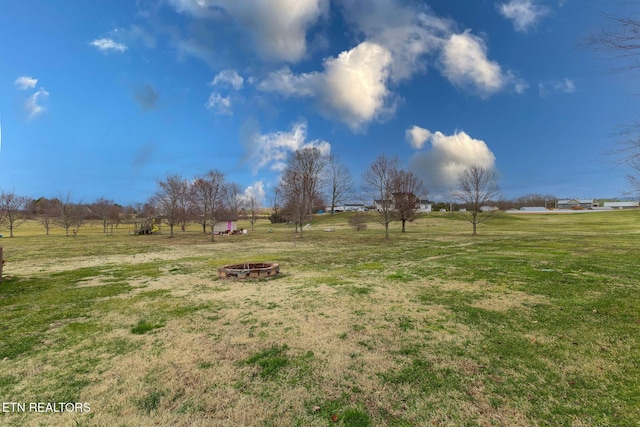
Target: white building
(225, 226)
(425, 206)
(349, 207)
(421, 205)
(622, 205)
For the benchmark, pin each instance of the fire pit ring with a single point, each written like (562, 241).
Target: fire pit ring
(249, 270)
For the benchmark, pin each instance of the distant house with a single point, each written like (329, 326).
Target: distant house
(382, 204)
(425, 206)
(421, 205)
(576, 204)
(622, 205)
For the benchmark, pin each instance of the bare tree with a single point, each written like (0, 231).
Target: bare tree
(11, 210)
(621, 41)
(477, 188)
(634, 181)
(358, 221)
(301, 183)
(170, 200)
(104, 210)
(252, 204)
(45, 211)
(233, 196)
(378, 182)
(276, 216)
(408, 190)
(340, 182)
(535, 200)
(69, 213)
(208, 192)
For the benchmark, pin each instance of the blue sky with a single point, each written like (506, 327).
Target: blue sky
(103, 98)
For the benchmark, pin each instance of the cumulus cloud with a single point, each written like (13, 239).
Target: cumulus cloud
(271, 150)
(352, 88)
(409, 33)
(465, 63)
(25, 82)
(417, 136)
(524, 14)
(556, 86)
(356, 86)
(228, 78)
(255, 191)
(108, 45)
(448, 155)
(33, 104)
(276, 28)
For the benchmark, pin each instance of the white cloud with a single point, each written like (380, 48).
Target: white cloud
(277, 28)
(409, 33)
(256, 190)
(352, 88)
(556, 86)
(397, 40)
(417, 136)
(219, 104)
(32, 105)
(464, 62)
(524, 14)
(106, 45)
(228, 78)
(271, 150)
(356, 87)
(26, 82)
(441, 164)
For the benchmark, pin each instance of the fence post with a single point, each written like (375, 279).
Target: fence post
(1, 263)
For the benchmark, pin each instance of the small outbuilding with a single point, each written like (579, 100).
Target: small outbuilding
(225, 226)
(622, 205)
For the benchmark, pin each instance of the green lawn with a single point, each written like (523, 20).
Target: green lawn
(536, 321)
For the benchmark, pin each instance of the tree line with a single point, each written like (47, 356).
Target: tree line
(310, 182)
(396, 193)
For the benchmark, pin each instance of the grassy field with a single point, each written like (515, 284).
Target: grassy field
(534, 322)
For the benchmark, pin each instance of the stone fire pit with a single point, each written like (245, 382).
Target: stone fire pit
(249, 270)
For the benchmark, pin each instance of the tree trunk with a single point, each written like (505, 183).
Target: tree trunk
(403, 221)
